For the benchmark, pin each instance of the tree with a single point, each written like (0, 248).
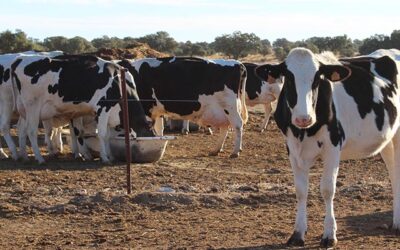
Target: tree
(395, 39)
(375, 42)
(107, 42)
(160, 41)
(14, 42)
(56, 43)
(282, 47)
(265, 47)
(237, 44)
(78, 45)
(190, 49)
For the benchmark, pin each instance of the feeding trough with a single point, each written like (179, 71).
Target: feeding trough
(143, 149)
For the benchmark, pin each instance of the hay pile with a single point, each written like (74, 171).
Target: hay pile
(133, 51)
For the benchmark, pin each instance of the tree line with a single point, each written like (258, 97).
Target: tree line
(233, 45)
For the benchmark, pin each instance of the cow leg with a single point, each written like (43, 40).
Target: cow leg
(185, 127)
(74, 141)
(5, 130)
(396, 182)
(56, 139)
(159, 126)
(22, 127)
(267, 115)
(77, 125)
(220, 142)
(301, 184)
(236, 123)
(48, 133)
(32, 121)
(331, 160)
(103, 135)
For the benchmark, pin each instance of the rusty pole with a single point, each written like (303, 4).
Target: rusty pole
(125, 116)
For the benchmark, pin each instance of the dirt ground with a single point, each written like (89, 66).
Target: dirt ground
(189, 200)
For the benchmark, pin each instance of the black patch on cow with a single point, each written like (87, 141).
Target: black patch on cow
(226, 111)
(287, 149)
(76, 131)
(14, 65)
(253, 83)
(359, 86)
(1, 73)
(179, 81)
(6, 75)
(291, 93)
(320, 143)
(80, 140)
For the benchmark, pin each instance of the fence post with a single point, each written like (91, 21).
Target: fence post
(125, 115)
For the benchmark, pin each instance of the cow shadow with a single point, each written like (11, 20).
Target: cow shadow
(269, 246)
(373, 224)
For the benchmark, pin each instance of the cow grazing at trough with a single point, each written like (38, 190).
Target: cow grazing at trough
(264, 92)
(209, 93)
(337, 110)
(68, 87)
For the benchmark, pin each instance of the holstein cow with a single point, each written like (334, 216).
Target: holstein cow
(257, 92)
(265, 92)
(208, 93)
(7, 97)
(67, 87)
(336, 110)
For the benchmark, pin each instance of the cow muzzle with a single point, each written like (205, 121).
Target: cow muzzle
(303, 121)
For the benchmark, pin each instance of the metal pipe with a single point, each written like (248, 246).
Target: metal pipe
(125, 117)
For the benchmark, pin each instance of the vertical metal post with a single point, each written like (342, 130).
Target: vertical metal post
(125, 116)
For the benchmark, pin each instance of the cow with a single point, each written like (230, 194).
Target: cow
(264, 92)
(7, 98)
(257, 92)
(208, 93)
(70, 86)
(336, 110)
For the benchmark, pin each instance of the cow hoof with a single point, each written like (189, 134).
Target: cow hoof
(209, 132)
(185, 132)
(295, 240)
(3, 155)
(328, 243)
(234, 155)
(262, 130)
(395, 229)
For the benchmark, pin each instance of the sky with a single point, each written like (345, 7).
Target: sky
(201, 20)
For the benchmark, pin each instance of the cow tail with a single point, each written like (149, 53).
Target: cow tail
(242, 93)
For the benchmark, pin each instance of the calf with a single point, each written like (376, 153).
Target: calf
(209, 93)
(336, 110)
(67, 87)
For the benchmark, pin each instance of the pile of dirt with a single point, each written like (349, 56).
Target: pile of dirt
(133, 51)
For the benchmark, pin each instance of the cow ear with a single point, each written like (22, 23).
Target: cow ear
(270, 72)
(335, 73)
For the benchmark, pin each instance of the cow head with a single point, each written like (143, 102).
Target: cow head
(303, 74)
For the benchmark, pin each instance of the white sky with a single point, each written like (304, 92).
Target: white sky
(201, 20)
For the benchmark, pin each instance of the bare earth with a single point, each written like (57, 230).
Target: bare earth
(189, 200)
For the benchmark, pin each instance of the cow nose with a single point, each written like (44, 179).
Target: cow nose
(303, 121)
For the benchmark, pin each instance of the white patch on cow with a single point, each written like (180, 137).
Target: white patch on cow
(224, 62)
(172, 60)
(152, 62)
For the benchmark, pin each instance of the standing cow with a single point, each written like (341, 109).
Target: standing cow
(206, 92)
(264, 92)
(67, 87)
(337, 110)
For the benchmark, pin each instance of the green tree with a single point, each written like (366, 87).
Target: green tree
(78, 45)
(395, 39)
(160, 41)
(237, 44)
(190, 49)
(14, 42)
(265, 47)
(282, 47)
(107, 42)
(375, 42)
(56, 43)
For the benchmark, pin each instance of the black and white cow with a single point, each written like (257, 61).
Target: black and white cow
(337, 110)
(208, 93)
(7, 96)
(264, 92)
(67, 87)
